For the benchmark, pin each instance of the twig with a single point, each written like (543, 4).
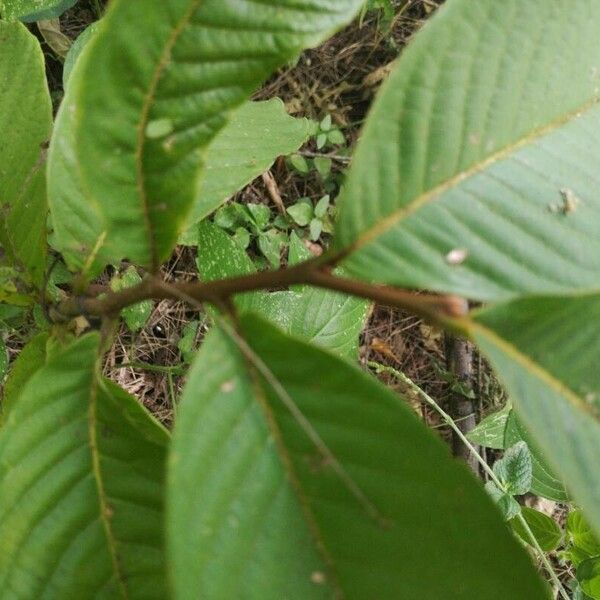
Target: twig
(313, 272)
(450, 422)
(273, 190)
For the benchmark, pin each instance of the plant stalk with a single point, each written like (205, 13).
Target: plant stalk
(314, 272)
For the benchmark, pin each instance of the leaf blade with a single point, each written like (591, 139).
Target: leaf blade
(478, 170)
(342, 422)
(84, 452)
(192, 68)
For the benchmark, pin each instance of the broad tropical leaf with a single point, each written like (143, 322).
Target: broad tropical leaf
(266, 504)
(34, 10)
(140, 154)
(25, 123)
(325, 318)
(477, 172)
(546, 351)
(81, 471)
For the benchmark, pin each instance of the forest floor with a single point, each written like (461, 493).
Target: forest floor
(339, 78)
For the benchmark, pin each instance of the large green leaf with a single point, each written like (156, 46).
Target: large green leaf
(81, 472)
(485, 139)
(350, 496)
(325, 318)
(546, 351)
(34, 10)
(247, 146)
(152, 94)
(25, 123)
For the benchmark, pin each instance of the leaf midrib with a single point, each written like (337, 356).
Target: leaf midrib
(144, 119)
(388, 222)
(288, 466)
(102, 498)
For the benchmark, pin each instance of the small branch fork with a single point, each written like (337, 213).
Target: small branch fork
(315, 272)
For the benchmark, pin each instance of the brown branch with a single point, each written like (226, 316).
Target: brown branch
(436, 308)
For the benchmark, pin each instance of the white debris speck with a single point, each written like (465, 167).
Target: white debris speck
(457, 256)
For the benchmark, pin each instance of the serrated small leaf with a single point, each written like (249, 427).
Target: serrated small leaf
(507, 505)
(514, 469)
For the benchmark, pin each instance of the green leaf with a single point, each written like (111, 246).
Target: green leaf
(507, 505)
(325, 124)
(187, 343)
(322, 206)
(514, 469)
(475, 145)
(31, 358)
(137, 315)
(265, 504)
(544, 483)
(270, 244)
(191, 67)
(247, 146)
(300, 163)
(336, 137)
(316, 227)
(81, 473)
(581, 534)
(544, 528)
(301, 212)
(261, 214)
(25, 123)
(546, 352)
(588, 575)
(78, 45)
(328, 319)
(490, 431)
(321, 140)
(34, 10)
(323, 166)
